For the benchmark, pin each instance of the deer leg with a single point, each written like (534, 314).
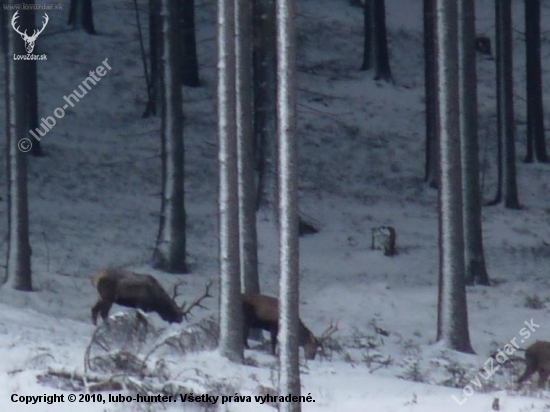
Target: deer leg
(246, 331)
(273, 340)
(543, 377)
(105, 308)
(95, 311)
(528, 373)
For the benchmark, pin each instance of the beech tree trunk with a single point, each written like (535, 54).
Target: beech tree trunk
(452, 321)
(536, 144)
(430, 87)
(169, 254)
(18, 262)
(154, 102)
(245, 136)
(289, 366)
(231, 328)
(81, 16)
(190, 64)
(507, 179)
(476, 272)
(265, 95)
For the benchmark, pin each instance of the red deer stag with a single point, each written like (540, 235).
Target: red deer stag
(141, 292)
(262, 312)
(537, 359)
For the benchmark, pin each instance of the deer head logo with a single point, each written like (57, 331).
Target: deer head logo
(29, 40)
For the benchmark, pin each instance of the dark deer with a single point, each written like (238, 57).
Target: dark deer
(262, 312)
(141, 292)
(537, 359)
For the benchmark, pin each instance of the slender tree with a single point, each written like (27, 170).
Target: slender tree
(19, 274)
(189, 44)
(536, 145)
(245, 137)
(476, 271)
(3, 31)
(507, 179)
(368, 58)
(81, 16)
(289, 366)
(154, 101)
(169, 254)
(231, 332)
(430, 87)
(381, 56)
(28, 22)
(265, 92)
(452, 322)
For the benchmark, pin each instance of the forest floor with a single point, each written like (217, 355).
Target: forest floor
(94, 203)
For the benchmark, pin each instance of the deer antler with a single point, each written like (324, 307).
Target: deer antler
(197, 301)
(328, 332)
(176, 292)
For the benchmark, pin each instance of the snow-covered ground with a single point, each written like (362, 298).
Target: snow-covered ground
(94, 202)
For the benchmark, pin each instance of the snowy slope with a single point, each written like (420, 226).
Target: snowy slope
(94, 203)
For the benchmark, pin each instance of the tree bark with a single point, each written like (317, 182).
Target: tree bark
(265, 95)
(289, 367)
(154, 102)
(190, 64)
(452, 325)
(476, 271)
(81, 16)
(169, 254)
(430, 85)
(380, 42)
(507, 186)
(18, 272)
(28, 21)
(231, 332)
(536, 145)
(367, 36)
(245, 137)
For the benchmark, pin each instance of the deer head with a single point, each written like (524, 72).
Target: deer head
(29, 40)
(317, 342)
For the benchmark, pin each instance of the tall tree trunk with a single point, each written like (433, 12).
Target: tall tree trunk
(189, 44)
(169, 254)
(430, 85)
(3, 31)
(81, 16)
(476, 272)
(380, 42)
(245, 137)
(154, 102)
(505, 105)
(231, 332)
(265, 95)
(289, 366)
(536, 145)
(368, 58)
(19, 275)
(32, 105)
(28, 22)
(452, 325)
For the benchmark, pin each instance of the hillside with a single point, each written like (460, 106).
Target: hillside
(94, 202)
